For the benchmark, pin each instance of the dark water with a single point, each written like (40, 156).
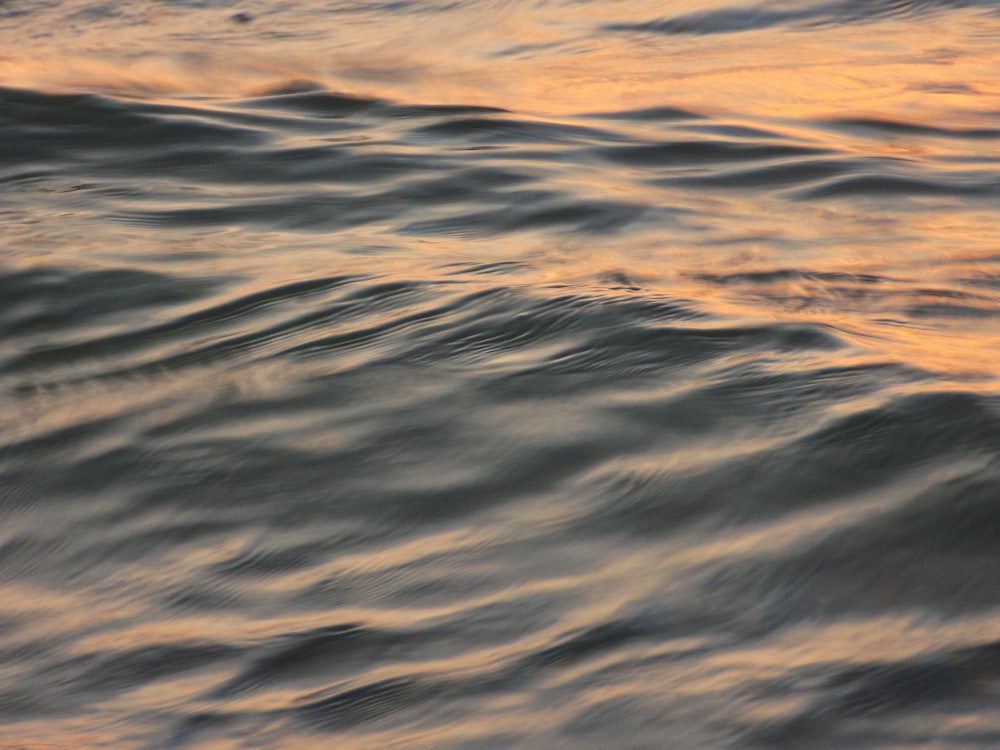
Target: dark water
(499, 374)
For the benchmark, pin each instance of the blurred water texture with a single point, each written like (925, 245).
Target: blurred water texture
(499, 374)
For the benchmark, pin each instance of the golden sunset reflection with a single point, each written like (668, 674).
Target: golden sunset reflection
(499, 374)
(539, 60)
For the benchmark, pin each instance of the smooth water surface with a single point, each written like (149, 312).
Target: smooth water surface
(499, 374)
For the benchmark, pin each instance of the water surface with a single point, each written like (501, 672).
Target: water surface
(499, 374)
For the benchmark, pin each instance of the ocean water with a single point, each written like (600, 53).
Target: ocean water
(542, 374)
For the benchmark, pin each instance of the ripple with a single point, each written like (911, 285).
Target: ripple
(338, 414)
(729, 20)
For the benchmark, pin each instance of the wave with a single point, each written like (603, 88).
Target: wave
(352, 420)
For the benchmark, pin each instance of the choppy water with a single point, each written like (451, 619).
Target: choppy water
(499, 374)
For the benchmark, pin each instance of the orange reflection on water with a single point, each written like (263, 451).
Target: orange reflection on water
(542, 60)
(537, 58)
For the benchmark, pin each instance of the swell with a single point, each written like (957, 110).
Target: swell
(310, 498)
(426, 537)
(483, 622)
(328, 162)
